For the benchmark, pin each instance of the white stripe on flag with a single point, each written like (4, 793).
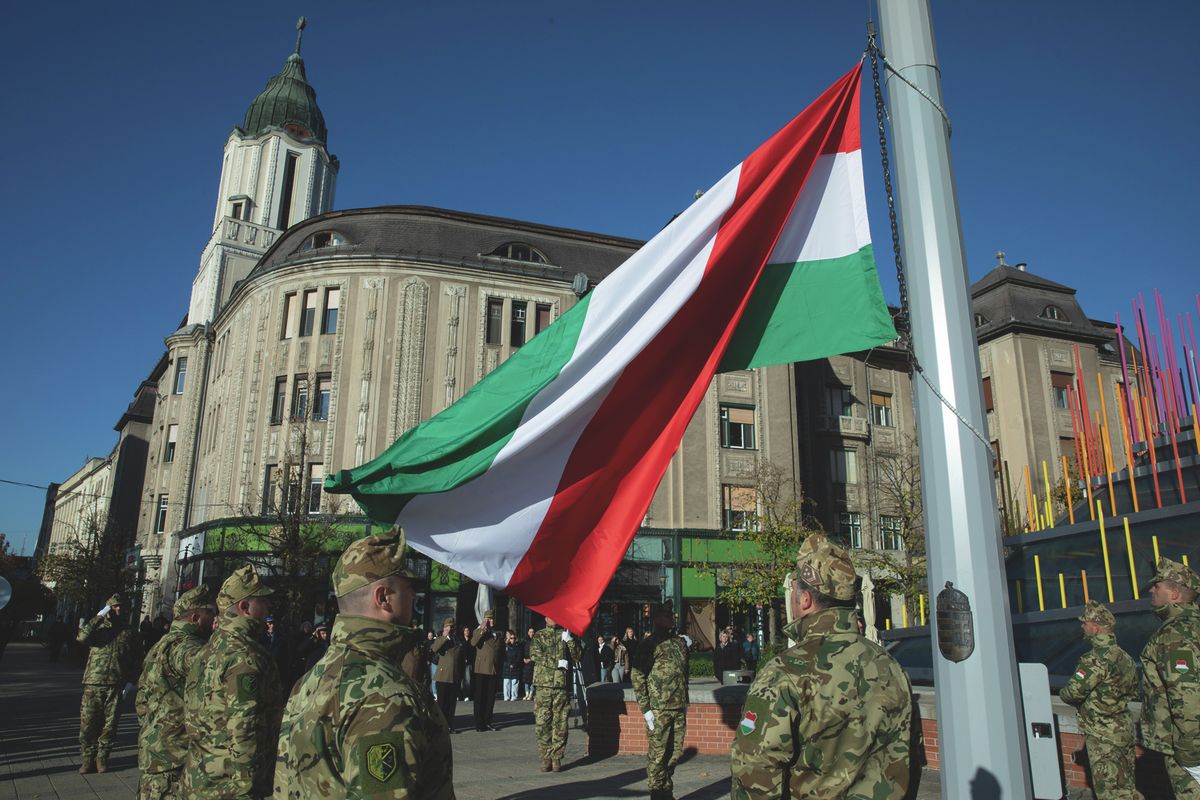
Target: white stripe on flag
(829, 219)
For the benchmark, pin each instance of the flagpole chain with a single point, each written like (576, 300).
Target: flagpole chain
(903, 321)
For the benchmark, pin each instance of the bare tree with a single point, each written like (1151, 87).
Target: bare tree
(90, 566)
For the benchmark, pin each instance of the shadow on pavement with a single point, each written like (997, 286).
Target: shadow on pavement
(607, 786)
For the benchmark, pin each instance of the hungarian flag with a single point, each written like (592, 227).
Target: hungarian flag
(537, 479)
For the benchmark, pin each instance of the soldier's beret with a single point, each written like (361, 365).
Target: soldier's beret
(1095, 612)
(824, 566)
(1181, 574)
(243, 583)
(115, 600)
(368, 559)
(193, 600)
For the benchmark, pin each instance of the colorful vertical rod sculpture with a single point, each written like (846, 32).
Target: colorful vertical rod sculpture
(1020, 601)
(1128, 455)
(1083, 579)
(1124, 368)
(1129, 551)
(1037, 568)
(1029, 501)
(1157, 557)
(1067, 483)
(1049, 501)
(1108, 466)
(1104, 549)
(921, 601)
(1151, 444)
(1062, 589)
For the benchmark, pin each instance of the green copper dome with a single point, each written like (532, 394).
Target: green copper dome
(288, 102)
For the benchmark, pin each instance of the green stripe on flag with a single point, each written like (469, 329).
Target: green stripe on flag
(811, 309)
(462, 441)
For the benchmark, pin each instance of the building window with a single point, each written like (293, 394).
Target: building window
(270, 476)
(516, 327)
(238, 209)
(316, 479)
(1053, 312)
(277, 403)
(737, 427)
(289, 316)
(308, 314)
(160, 518)
(542, 320)
(1060, 382)
(890, 533)
(495, 320)
(172, 435)
(289, 183)
(300, 398)
(881, 410)
(739, 506)
(333, 298)
(980, 320)
(843, 465)
(517, 251)
(841, 402)
(324, 386)
(180, 374)
(322, 239)
(988, 405)
(850, 526)
(291, 489)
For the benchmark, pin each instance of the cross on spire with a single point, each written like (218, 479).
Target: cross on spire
(300, 26)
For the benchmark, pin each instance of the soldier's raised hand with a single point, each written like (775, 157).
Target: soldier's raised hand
(104, 611)
(566, 636)
(649, 715)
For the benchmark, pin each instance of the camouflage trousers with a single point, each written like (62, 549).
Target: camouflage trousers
(1182, 782)
(550, 720)
(160, 785)
(666, 746)
(99, 711)
(1112, 770)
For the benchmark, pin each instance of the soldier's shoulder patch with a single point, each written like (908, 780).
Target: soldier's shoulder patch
(247, 686)
(748, 724)
(380, 763)
(1182, 663)
(755, 713)
(1081, 673)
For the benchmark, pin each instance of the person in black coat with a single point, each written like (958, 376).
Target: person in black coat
(727, 655)
(527, 668)
(514, 665)
(604, 653)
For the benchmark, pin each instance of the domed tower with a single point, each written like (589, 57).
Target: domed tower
(276, 171)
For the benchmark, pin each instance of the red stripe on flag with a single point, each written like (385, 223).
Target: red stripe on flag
(621, 456)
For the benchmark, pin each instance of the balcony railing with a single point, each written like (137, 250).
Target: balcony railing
(240, 231)
(843, 426)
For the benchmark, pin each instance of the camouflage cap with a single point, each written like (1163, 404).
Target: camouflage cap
(367, 560)
(1181, 574)
(1098, 614)
(193, 600)
(243, 583)
(448, 621)
(489, 614)
(824, 566)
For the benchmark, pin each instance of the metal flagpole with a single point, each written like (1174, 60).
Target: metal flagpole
(980, 722)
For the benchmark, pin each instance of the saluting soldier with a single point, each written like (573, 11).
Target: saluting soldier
(233, 699)
(1104, 683)
(829, 717)
(448, 648)
(1171, 712)
(113, 654)
(489, 659)
(552, 651)
(357, 725)
(162, 740)
(660, 684)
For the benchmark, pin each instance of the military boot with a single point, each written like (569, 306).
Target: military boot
(545, 765)
(556, 766)
(102, 763)
(87, 765)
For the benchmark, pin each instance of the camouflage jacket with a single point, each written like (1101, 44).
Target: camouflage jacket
(489, 651)
(232, 705)
(358, 726)
(1104, 683)
(660, 673)
(829, 717)
(162, 738)
(546, 649)
(1171, 710)
(448, 649)
(113, 652)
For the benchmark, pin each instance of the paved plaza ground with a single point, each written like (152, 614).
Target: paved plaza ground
(39, 750)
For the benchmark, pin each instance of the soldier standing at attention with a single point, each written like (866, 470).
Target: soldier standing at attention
(415, 661)
(829, 717)
(660, 683)
(113, 653)
(552, 650)
(162, 740)
(357, 725)
(233, 699)
(489, 660)
(1104, 683)
(1171, 712)
(449, 670)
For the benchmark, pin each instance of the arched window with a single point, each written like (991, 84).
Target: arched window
(519, 251)
(322, 239)
(1053, 312)
(980, 320)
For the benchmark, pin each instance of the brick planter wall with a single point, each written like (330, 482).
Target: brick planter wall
(616, 727)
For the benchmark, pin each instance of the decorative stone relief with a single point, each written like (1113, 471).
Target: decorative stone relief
(273, 444)
(737, 465)
(302, 355)
(737, 383)
(409, 358)
(250, 420)
(491, 359)
(1060, 357)
(454, 310)
(239, 332)
(371, 290)
(841, 369)
(336, 371)
(985, 360)
(264, 213)
(323, 358)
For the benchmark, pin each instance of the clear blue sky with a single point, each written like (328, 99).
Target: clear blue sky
(1074, 146)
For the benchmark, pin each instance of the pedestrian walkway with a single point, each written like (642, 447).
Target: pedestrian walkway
(39, 750)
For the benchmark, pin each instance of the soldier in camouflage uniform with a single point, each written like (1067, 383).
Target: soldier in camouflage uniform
(1104, 683)
(162, 740)
(233, 699)
(1171, 711)
(660, 684)
(357, 725)
(831, 716)
(113, 653)
(552, 650)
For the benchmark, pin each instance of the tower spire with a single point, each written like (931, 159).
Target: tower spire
(301, 24)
